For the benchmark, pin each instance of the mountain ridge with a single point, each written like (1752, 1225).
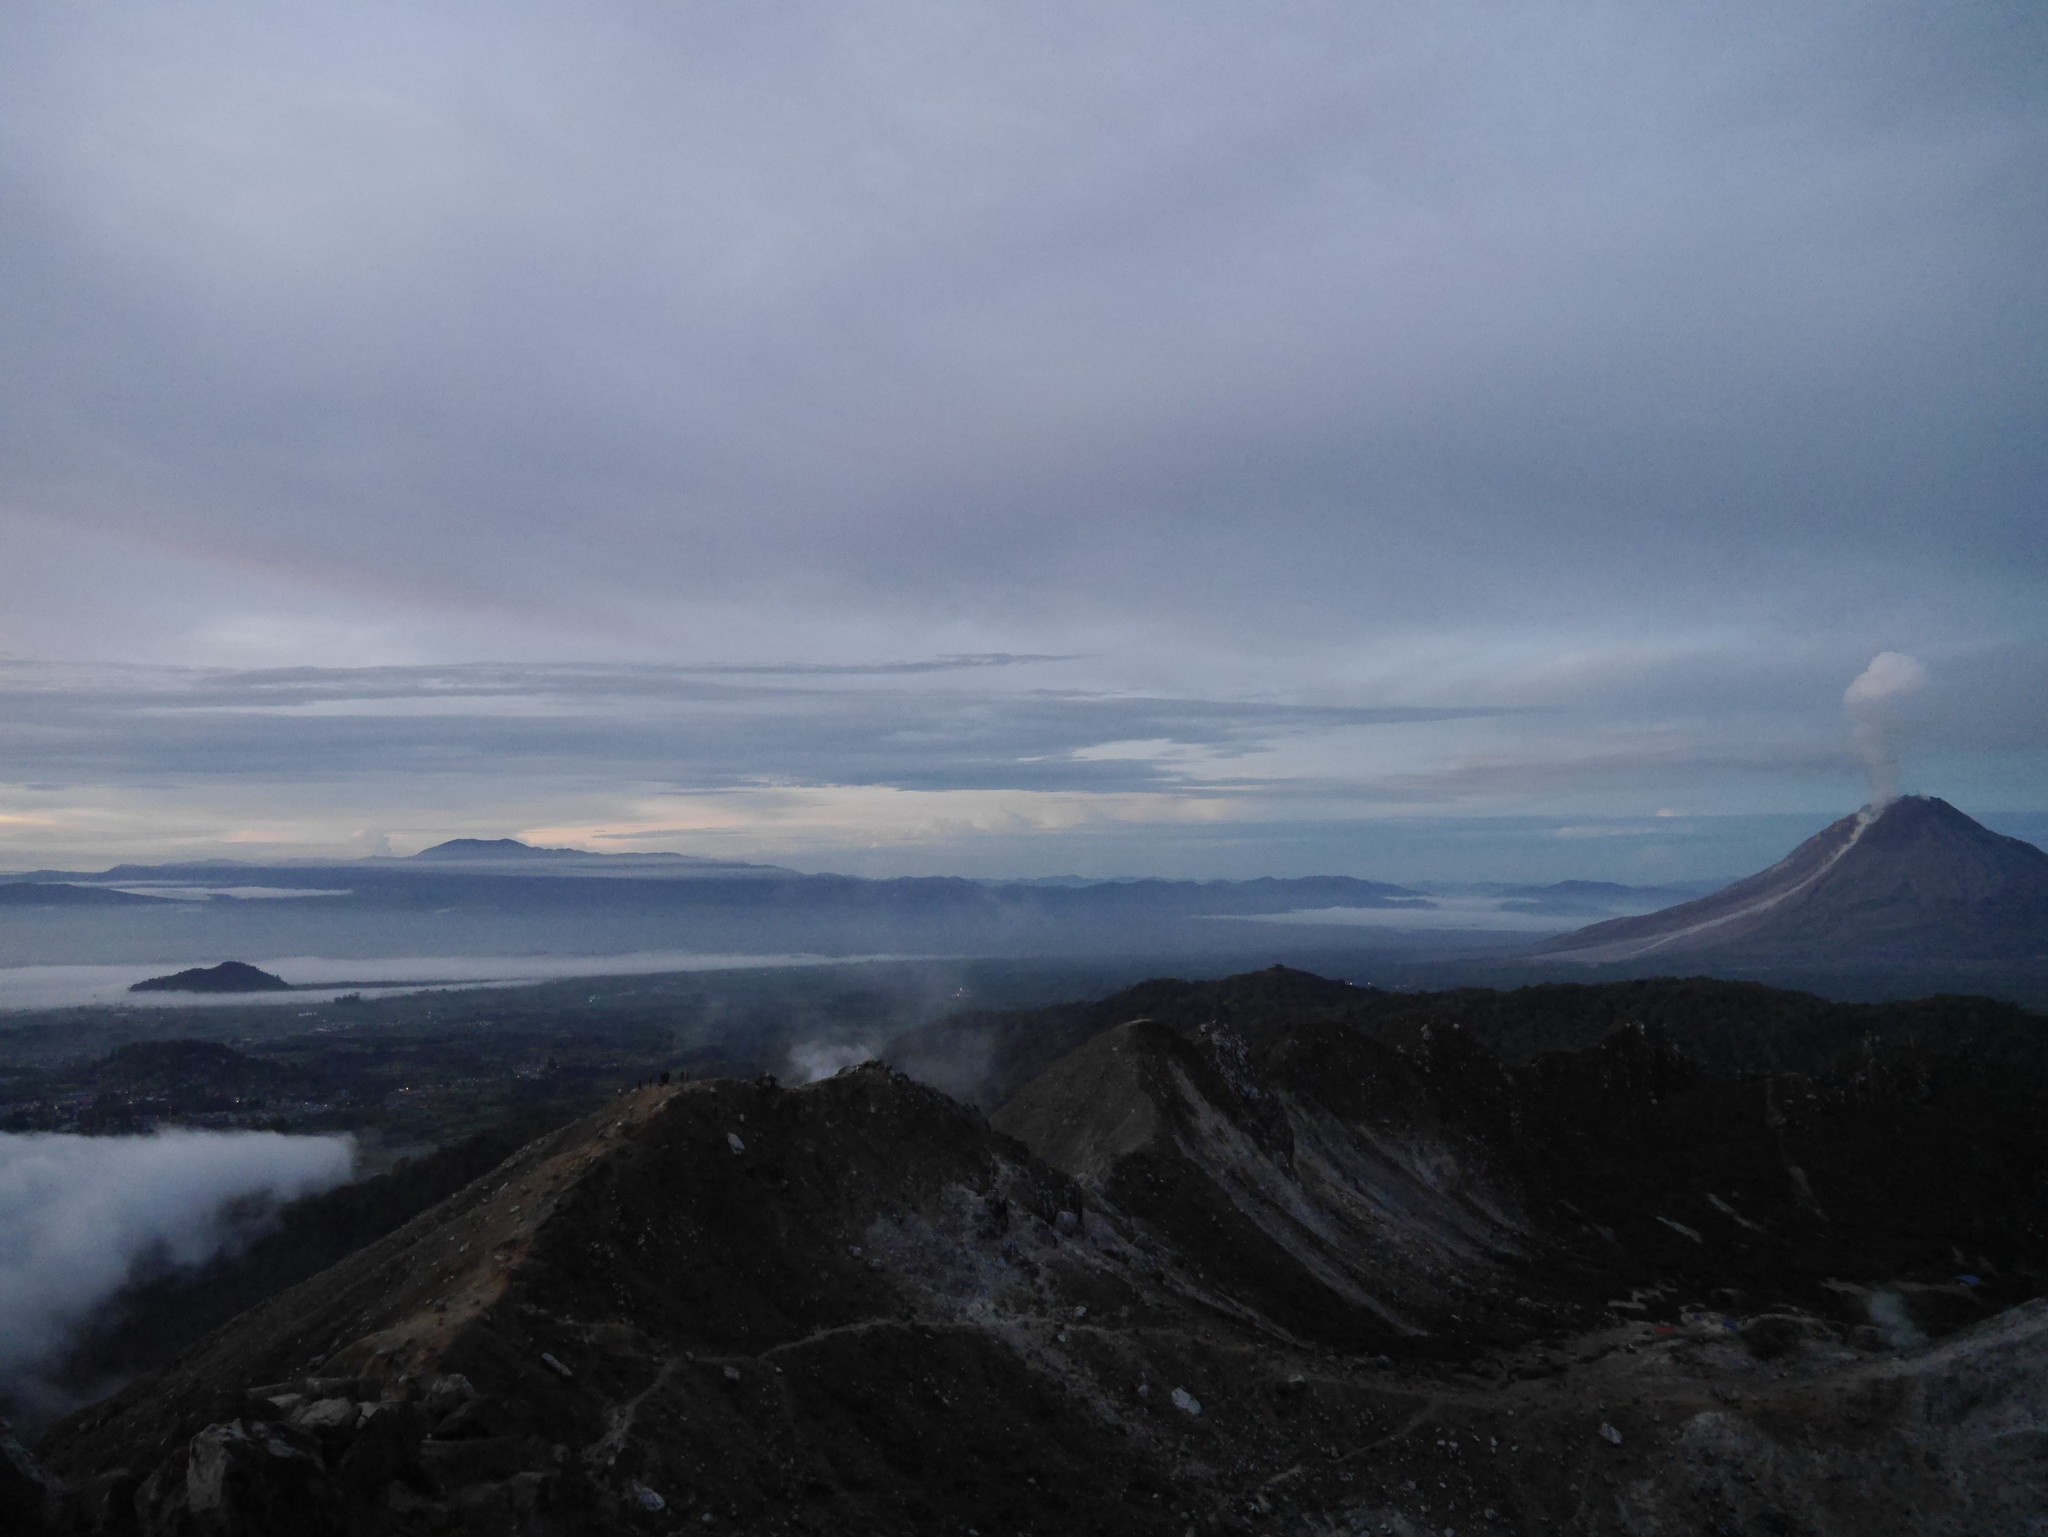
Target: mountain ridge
(1263, 1264)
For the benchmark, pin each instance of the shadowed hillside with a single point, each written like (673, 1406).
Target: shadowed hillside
(1284, 1254)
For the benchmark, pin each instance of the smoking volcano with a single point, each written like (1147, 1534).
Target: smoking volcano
(1912, 879)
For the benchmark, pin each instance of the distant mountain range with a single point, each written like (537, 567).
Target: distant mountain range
(1916, 884)
(504, 897)
(527, 858)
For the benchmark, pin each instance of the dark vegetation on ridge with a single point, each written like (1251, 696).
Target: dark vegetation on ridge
(986, 1056)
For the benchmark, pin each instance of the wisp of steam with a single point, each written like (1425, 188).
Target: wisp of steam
(78, 1212)
(1873, 701)
(811, 1060)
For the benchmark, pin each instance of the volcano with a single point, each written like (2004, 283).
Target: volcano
(1915, 880)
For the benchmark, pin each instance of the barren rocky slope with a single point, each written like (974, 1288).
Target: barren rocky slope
(1915, 880)
(1286, 1273)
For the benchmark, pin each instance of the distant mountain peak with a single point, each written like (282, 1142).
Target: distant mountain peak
(1911, 879)
(490, 848)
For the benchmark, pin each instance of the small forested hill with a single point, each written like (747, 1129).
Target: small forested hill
(227, 977)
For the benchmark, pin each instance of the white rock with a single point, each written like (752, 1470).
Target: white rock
(1186, 1402)
(450, 1390)
(207, 1465)
(325, 1414)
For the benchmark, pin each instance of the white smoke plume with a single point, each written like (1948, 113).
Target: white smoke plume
(76, 1213)
(811, 1060)
(1875, 701)
(1888, 1311)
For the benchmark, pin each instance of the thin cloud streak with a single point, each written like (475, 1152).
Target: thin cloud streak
(644, 722)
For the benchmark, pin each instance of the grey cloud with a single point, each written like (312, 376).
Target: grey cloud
(1142, 302)
(879, 669)
(1601, 728)
(641, 724)
(1650, 367)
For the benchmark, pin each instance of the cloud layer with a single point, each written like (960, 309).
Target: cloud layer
(941, 764)
(1074, 401)
(80, 1212)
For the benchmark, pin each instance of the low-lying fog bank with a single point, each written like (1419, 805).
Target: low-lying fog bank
(82, 1215)
(1475, 914)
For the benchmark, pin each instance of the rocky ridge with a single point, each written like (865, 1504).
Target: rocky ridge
(1268, 1269)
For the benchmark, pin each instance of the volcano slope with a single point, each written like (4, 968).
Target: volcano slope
(1309, 1259)
(1913, 881)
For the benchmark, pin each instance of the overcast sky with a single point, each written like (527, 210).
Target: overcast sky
(1111, 437)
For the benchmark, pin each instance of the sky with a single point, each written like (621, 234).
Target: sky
(1120, 438)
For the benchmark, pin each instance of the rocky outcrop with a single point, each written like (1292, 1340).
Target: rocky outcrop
(1340, 1205)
